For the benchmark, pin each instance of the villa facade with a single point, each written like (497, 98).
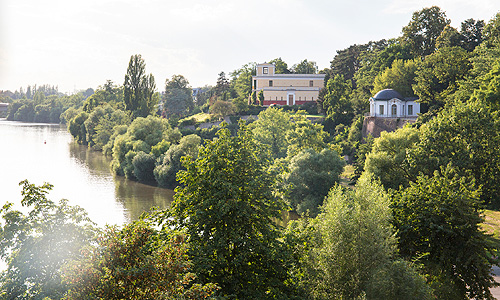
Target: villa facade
(286, 89)
(389, 103)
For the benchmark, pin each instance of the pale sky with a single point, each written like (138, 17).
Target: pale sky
(77, 44)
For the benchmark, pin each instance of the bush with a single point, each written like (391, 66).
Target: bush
(144, 165)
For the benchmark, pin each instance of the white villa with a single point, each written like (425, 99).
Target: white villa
(389, 103)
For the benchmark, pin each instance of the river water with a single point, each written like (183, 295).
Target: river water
(47, 153)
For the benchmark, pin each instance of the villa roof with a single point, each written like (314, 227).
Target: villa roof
(388, 94)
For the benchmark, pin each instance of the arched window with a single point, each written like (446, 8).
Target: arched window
(394, 110)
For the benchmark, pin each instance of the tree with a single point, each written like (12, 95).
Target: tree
(437, 220)
(76, 127)
(438, 75)
(449, 37)
(337, 103)
(305, 135)
(36, 244)
(135, 262)
(242, 80)
(138, 88)
(471, 34)
(222, 109)
(178, 96)
(280, 65)
(271, 129)
(305, 67)
(491, 31)
(349, 249)
(222, 87)
(423, 30)
(388, 160)
(467, 136)
(165, 173)
(260, 97)
(400, 77)
(310, 176)
(226, 204)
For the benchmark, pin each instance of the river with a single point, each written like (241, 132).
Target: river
(47, 153)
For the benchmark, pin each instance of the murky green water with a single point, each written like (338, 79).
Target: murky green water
(47, 153)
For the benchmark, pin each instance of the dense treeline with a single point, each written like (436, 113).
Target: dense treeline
(407, 228)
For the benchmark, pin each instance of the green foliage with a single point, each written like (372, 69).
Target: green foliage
(138, 88)
(471, 33)
(350, 244)
(271, 128)
(305, 135)
(388, 161)
(178, 96)
(144, 165)
(489, 89)
(77, 128)
(336, 103)
(222, 109)
(491, 31)
(165, 172)
(449, 37)
(309, 178)
(467, 136)
(141, 135)
(242, 80)
(305, 67)
(227, 206)
(281, 67)
(438, 75)
(400, 77)
(437, 220)
(135, 262)
(160, 148)
(260, 97)
(423, 30)
(36, 244)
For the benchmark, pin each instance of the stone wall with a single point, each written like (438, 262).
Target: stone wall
(375, 125)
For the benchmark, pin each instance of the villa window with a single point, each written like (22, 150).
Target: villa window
(270, 83)
(410, 110)
(255, 84)
(265, 70)
(281, 98)
(381, 110)
(311, 83)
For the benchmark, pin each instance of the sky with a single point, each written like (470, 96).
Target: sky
(79, 44)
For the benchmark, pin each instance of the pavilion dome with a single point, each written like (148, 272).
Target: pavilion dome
(388, 94)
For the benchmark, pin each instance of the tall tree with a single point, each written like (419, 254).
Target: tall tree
(36, 244)
(227, 206)
(350, 247)
(400, 77)
(305, 67)
(423, 30)
(178, 96)
(437, 221)
(471, 32)
(135, 262)
(138, 88)
(439, 74)
(281, 66)
(337, 103)
(310, 176)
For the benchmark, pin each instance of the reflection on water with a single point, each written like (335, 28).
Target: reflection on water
(47, 153)
(135, 197)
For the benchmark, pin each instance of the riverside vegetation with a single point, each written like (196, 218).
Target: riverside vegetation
(408, 227)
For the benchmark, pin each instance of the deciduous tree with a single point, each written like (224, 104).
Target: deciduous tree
(227, 206)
